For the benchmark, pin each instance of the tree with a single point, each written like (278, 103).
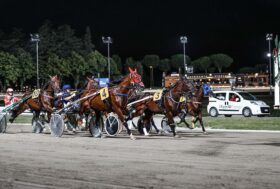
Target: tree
(118, 61)
(151, 60)
(164, 65)
(114, 71)
(202, 63)
(87, 42)
(177, 61)
(57, 66)
(221, 61)
(25, 66)
(78, 67)
(9, 69)
(11, 42)
(97, 63)
(67, 42)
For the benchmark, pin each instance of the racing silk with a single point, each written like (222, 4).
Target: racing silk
(64, 95)
(8, 100)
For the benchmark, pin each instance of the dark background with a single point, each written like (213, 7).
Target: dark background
(142, 27)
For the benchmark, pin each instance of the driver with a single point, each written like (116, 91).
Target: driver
(66, 94)
(9, 98)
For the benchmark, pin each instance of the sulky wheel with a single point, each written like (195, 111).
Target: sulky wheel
(3, 123)
(56, 125)
(112, 125)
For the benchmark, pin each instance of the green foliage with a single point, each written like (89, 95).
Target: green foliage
(118, 61)
(78, 67)
(151, 60)
(164, 65)
(87, 42)
(202, 64)
(177, 61)
(221, 61)
(9, 67)
(57, 66)
(96, 62)
(67, 42)
(11, 42)
(114, 71)
(26, 67)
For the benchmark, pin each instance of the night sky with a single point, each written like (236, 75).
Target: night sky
(143, 27)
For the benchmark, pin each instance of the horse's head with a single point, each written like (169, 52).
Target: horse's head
(186, 85)
(135, 78)
(91, 84)
(55, 83)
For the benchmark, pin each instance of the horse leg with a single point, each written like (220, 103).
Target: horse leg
(154, 125)
(201, 122)
(121, 117)
(15, 112)
(171, 122)
(194, 120)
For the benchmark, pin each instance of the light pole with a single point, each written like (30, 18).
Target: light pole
(184, 40)
(269, 38)
(108, 40)
(36, 38)
(151, 77)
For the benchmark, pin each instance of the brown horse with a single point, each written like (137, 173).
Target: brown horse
(193, 106)
(117, 100)
(170, 104)
(44, 102)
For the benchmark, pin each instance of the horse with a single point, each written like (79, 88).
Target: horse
(193, 106)
(137, 104)
(117, 100)
(169, 103)
(44, 102)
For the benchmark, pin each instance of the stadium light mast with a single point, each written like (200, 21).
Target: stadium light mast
(108, 40)
(184, 40)
(269, 37)
(36, 38)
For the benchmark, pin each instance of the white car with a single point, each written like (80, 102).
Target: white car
(230, 103)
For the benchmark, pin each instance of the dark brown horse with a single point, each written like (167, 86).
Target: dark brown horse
(117, 100)
(44, 102)
(193, 106)
(169, 105)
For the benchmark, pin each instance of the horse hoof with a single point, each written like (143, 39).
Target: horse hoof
(176, 136)
(204, 132)
(132, 137)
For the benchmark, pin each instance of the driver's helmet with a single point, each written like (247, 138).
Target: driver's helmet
(65, 87)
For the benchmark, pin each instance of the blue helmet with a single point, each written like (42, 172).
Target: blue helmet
(65, 87)
(206, 89)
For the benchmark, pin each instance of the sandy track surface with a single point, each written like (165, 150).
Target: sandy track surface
(216, 160)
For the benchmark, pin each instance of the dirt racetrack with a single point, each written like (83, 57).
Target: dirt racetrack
(216, 160)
